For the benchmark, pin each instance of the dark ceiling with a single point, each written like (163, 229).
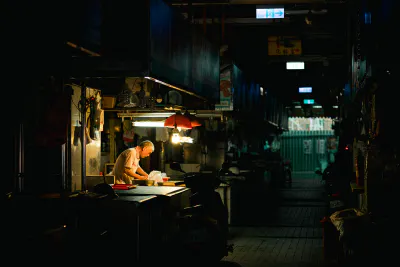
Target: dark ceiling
(322, 27)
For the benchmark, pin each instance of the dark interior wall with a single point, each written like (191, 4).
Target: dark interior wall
(170, 39)
(84, 24)
(34, 35)
(125, 29)
(181, 55)
(246, 94)
(205, 67)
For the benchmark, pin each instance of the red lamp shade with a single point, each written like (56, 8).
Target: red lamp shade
(194, 121)
(178, 120)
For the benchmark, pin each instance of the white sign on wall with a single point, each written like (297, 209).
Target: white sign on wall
(321, 146)
(307, 146)
(295, 65)
(270, 13)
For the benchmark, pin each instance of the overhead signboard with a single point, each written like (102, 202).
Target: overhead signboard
(284, 46)
(225, 90)
(308, 101)
(270, 13)
(295, 65)
(305, 89)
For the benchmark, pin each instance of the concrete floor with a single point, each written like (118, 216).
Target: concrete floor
(278, 226)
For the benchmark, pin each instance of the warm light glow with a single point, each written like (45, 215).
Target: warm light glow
(186, 139)
(176, 138)
(148, 123)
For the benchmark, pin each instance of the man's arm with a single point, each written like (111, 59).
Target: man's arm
(129, 172)
(142, 172)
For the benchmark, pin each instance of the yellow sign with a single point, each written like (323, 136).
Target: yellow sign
(284, 46)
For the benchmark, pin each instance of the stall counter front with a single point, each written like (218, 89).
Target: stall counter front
(169, 201)
(133, 216)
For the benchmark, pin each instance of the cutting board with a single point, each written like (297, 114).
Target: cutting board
(169, 183)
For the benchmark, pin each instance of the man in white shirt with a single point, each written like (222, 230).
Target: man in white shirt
(127, 168)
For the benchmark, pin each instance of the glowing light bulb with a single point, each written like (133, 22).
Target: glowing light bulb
(175, 138)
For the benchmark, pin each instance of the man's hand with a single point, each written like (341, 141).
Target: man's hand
(143, 177)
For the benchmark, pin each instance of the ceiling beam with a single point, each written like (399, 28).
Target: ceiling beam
(248, 11)
(274, 2)
(248, 21)
(304, 58)
(241, 2)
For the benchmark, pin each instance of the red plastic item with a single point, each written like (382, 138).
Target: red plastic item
(123, 186)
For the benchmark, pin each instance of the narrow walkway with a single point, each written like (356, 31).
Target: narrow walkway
(281, 228)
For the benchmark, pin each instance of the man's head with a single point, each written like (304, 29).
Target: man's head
(147, 148)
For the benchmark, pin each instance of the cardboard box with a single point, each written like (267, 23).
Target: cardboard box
(108, 101)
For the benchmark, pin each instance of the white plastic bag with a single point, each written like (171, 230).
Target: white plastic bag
(156, 176)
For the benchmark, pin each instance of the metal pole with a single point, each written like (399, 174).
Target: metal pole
(83, 136)
(162, 157)
(190, 44)
(63, 167)
(20, 159)
(67, 152)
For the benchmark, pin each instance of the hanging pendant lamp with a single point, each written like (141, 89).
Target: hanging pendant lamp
(193, 119)
(178, 121)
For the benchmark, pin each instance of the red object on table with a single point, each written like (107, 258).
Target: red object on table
(123, 186)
